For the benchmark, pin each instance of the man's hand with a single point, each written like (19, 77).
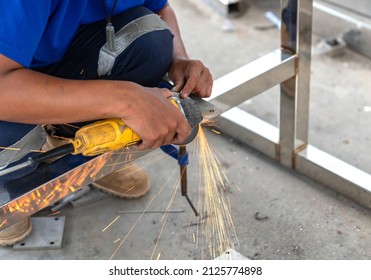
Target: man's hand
(191, 76)
(155, 119)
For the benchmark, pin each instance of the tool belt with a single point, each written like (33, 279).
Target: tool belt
(124, 37)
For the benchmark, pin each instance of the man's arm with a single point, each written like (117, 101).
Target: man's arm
(189, 76)
(28, 96)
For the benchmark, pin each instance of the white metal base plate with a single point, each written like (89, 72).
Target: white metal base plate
(46, 234)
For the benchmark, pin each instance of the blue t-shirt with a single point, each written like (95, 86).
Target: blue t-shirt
(38, 32)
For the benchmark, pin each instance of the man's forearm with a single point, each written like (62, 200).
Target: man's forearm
(31, 97)
(168, 15)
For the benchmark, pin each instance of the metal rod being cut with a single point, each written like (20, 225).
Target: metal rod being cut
(183, 178)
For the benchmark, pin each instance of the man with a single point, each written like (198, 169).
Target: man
(61, 62)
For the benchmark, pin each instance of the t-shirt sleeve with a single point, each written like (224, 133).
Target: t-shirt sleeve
(155, 5)
(21, 28)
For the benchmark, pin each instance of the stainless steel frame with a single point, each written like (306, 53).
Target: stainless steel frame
(288, 144)
(288, 67)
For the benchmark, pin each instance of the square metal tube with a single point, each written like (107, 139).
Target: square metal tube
(289, 143)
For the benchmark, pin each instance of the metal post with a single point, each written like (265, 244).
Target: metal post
(296, 37)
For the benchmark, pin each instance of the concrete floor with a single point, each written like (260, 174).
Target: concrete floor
(277, 213)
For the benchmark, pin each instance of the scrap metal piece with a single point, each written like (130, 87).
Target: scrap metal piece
(332, 46)
(47, 234)
(231, 255)
(70, 198)
(91, 197)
